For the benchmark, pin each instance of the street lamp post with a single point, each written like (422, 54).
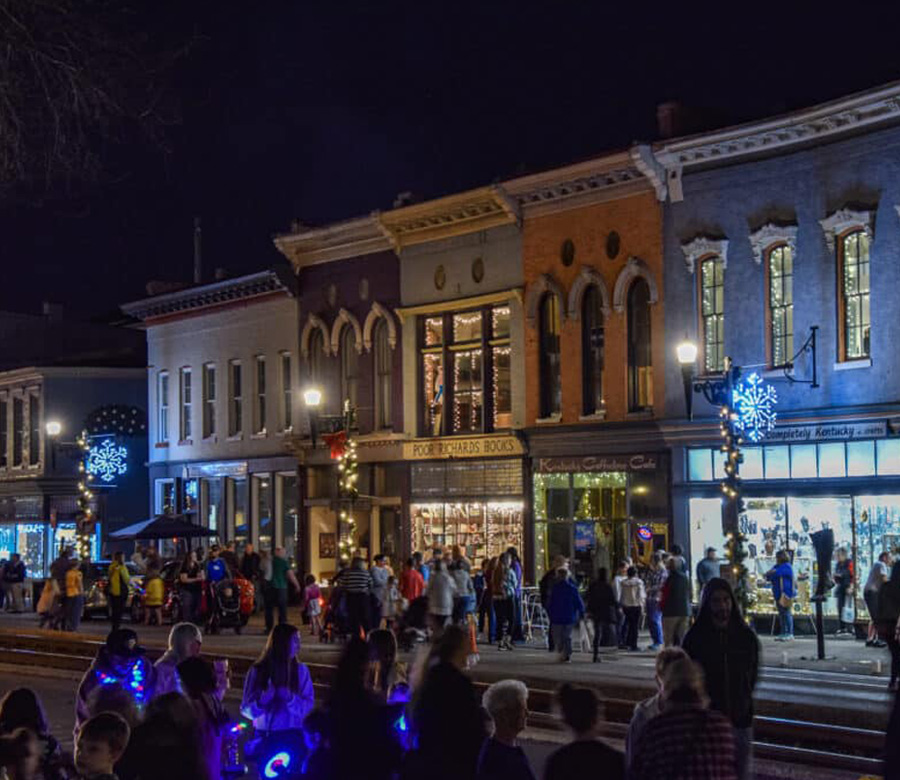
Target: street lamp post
(312, 397)
(53, 429)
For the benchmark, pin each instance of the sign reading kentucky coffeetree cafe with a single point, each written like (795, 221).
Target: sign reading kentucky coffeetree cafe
(644, 461)
(463, 447)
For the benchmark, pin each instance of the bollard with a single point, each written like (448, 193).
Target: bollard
(784, 658)
(877, 667)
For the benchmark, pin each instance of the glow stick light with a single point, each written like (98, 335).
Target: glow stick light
(277, 765)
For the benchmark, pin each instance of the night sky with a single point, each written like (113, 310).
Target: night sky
(325, 111)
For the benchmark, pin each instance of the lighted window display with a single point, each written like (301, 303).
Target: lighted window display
(877, 531)
(30, 541)
(240, 513)
(190, 495)
(7, 540)
(765, 526)
(433, 370)
(467, 394)
(483, 530)
(467, 327)
(854, 289)
(263, 490)
(65, 536)
(502, 390)
(289, 503)
(706, 532)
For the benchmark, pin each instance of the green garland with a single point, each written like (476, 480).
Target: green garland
(348, 474)
(735, 545)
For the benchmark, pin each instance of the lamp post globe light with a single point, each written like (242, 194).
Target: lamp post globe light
(53, 428)
(312, 397)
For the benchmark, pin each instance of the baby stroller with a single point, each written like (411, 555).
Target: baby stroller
(411, 629)
(335, 623)
(226, 608)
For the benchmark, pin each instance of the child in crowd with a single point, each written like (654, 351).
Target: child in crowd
(20, 755)
(101, 743)
(312, 604)
(390, 609)
(154, 593)
(48, 604)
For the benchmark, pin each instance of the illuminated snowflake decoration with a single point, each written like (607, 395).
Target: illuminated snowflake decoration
(107, 461)
(754, 403)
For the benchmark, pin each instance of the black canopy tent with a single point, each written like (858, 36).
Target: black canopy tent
(162, 527)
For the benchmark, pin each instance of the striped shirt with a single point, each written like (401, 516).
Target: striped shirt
(355, 580)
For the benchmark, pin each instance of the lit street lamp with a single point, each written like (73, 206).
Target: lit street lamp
(312, 397)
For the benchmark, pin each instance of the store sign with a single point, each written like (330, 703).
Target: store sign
(222, 469)
(828, 432)
(638, 462)
(644, 533)
(463, 447)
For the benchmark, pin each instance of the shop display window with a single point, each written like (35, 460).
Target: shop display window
(888, 453)
(30, 542)
(718, 464)
(264, 495)
(599, 494)
(289, 502)
(699, 465)
(241, 515)
(860, 458)
(551, 497)
(7, 540)
(706, 531)
(765, 525)
(877, 531)
(483, 530)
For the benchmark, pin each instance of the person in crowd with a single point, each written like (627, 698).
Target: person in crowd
(154, 595)
(356, 584)
(633, 596)
(649, 708)
(19, 755)
(197, 679)
(384, 671)
(100, 744)
(14, 584)
(21, 708)
(120, 662)
(137, 558)
(566, 610)
(380, 574)
(515, 564)
(282, 575)
(263, 587)
(250, 564)
(586, 753)
(113, 698)
(879, 575)
(152, 559)
(412, 585)
(677, 551)
(891, 755)
(185, 641)
(479, 584)
(230, 557)
(48, 607)
(441, 591)
(447, 718)
(503, 592)
(843, 590)
(190, 587)
(501, 758)
(601, 606)
(74, 596)
(707, 568)
(889, 620)
(687, 739)
(676, 602)
(58, 570)
(419, 564)
(728, 653)
(391, 608)
(118, 583)
(278, 691)
(216, 566)
(620, 576)
(312, 604)
(656, 579)
(784, 589)
(464, 598)
(545, 585)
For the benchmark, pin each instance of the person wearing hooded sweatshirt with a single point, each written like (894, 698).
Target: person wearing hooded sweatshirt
(727, 650)
(889, 620)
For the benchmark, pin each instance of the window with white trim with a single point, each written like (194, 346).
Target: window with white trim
(287, 392)
(712, 313)
(162, 407)
(209, 400)
(184, 404)
(854, 287)
(235, 398)
(780, 265)
(260, 410)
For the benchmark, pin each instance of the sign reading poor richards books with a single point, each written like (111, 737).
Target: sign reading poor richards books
(463, 447)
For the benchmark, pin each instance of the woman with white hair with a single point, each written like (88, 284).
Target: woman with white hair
(501, 757)
(185, 641)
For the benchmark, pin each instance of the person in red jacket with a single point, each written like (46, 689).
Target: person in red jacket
(412, 585)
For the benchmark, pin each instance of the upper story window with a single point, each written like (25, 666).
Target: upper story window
(383, 375)
(349, 366)
(34, 429)
(235, 398)
(287, 392)
(4, 433)
(184, 404)
(465, 368)
(592, 346)
(780, 264)
(549, 328)
(316, 361)
(855, 315)
(260, 405)
(162, 407)
(640, 356)
(18, 431)
(712, 313)
(209, 400)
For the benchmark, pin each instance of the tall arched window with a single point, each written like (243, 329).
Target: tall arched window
(781, 304)
(592, 350)
(712, 313)
(383, 400)
(349, 366)
(640, 359)
(316, 357)
(856, 319)
(550, 384)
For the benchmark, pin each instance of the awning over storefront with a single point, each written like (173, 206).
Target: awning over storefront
(163, 527)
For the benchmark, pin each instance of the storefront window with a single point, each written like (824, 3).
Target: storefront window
(877, 531)
(700, 465)
(165, 496)
(263, 492)
(803, 461)
(65, 537)
(706, 531)
(30, 541)
(190, 495)
(289, 507)
(777, 462)
(860, 458)
(214, 503)
(240, 513)
(7, 540)
(888, 451)
(481, 529)
(551, 497)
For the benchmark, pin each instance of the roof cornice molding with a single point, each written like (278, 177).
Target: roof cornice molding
(826, 121)
(770, 235)
(339, 241)
(207, 295)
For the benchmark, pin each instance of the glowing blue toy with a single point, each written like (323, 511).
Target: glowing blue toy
(277, 765)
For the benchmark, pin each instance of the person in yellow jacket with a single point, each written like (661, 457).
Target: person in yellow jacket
(74, 596)
(117, 589)
(154, 595)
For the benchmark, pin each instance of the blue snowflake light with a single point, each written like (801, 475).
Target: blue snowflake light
(753, 401)
(106, 460)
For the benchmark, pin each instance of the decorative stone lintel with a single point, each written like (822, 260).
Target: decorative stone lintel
(634, 268)
(701, 246)
(589, 277)
(846, 219)
(771, 234)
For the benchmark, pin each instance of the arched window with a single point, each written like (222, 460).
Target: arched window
(592, 350)
(349, 366)
(855, 318)
(712, 313)
(550, 384)
(316, 359)
(780, 265)
(383, 359)
(640, 359)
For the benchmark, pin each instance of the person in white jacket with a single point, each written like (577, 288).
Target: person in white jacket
(278, 691)
(440, 591)
(632, 596)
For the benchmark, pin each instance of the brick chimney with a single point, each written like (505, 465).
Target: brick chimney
(670, 118)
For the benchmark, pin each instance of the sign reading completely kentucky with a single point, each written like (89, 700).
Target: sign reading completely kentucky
(753, 401)
(106, 459)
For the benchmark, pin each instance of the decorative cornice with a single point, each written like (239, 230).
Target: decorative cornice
(343, 318)
(646, 163)
(207, 295)
(701, 246)
(372, 317)
(846, 219)
(589, 277)
(769, 235)
(339, 241)
(826, 121)
(634, 268)
(544, 284)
